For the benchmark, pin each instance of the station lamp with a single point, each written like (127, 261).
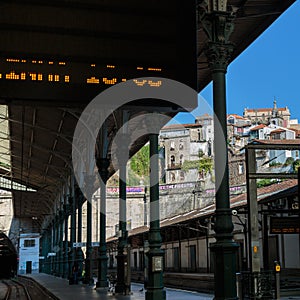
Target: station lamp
(277, 266)
(216, 5)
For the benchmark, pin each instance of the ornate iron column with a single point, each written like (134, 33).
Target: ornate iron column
(217, 22)
(56, 245)
(52, 264)
(44, 251)
(79, 253)
(155, 287)
(88, 261)
(102, 164)
(121, 287)
(61, 243)
(73, 225)
(47, 246)
(66, 243)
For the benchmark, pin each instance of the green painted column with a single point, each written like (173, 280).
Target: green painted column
(61, 243)
(102, 164)
(218, 26)
(47, 249)
(52, 259)
(66, 237)
(44, 251)
(155, 286)
(88, 261)
(122, 286)
(79, 253)
(56, 245)
(73, 228)
(54, 237)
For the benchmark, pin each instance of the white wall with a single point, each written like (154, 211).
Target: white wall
(291, 251)
(29, 254)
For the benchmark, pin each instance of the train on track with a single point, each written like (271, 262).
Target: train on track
(8, 257)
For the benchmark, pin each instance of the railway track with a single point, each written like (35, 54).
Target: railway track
(15, 290)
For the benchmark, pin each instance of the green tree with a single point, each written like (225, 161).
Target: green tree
(140, 162)
(264, 182)
(289, 161)
(203, 164)
(296, 165)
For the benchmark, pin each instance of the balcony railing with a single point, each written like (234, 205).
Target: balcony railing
(174, 166)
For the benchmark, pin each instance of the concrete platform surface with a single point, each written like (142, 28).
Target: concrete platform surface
(61, 289)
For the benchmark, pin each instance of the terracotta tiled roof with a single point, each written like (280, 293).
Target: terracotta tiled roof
(180, 126)
(237, 116)
(279, 130)
(278, 142)
(258, 127)
(263, 194)
(239, 125)
(297, 131)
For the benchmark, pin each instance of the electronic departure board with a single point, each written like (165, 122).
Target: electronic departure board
(62, 72)
(72, 50)
(286, 225)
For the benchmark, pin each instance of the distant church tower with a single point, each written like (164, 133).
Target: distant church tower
(276, 119)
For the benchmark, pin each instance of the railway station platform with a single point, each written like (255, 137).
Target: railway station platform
(60, 288)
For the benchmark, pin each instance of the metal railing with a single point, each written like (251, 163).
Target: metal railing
(256, 285)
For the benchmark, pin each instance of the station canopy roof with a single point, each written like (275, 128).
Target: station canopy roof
(57, 55)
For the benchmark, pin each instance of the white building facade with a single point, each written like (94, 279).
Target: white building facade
(29, 253)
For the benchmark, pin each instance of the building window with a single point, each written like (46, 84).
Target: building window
(192, 258)
(29, 243)
(172, 146)
(135, 263)
(172, 161)
(231, 120)
(241, 169)
(172, 176)
(181, 159)
(181, 176)
(176, 262)
(141, 260)
(180, 146)
(199, 135)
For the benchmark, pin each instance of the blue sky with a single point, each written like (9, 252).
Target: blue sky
(269, 68)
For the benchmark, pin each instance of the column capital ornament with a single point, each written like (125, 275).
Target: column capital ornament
(102, 165)
(218, 55)
(218, 26)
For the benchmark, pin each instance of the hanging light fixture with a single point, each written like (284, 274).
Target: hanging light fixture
(216, 5)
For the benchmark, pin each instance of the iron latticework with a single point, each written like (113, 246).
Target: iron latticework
(257, 285)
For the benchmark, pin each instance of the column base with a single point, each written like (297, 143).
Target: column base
(88, 281)
(101, 284)
(102, 291)
(102, 280)
(224, 253)
(120, 289)
(123, 289)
